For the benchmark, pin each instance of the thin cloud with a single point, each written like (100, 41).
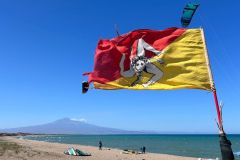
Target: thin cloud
(79, 119)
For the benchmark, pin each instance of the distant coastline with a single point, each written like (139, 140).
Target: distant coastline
(169, 134)
(17, 134)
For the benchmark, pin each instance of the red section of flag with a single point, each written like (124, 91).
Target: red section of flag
(109, 52)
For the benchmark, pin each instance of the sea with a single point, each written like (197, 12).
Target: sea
(200, 146)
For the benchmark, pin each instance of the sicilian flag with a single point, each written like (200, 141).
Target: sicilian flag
(152, 59)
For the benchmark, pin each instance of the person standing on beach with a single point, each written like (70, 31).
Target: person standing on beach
(100, 145)
(143, 149)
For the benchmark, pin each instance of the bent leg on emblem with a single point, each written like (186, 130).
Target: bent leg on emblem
(158, 74)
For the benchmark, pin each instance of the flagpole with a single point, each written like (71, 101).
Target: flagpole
(225, 144)
(220, 125)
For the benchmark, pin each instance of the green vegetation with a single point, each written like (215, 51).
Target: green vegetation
(9, 146)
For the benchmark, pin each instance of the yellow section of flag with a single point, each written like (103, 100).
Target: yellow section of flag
(184, 65)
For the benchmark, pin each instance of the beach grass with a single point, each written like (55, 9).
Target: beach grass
(9, 146)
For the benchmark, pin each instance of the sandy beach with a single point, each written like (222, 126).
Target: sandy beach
(12, 148)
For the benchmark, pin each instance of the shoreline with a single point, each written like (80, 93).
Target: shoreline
(37, 150)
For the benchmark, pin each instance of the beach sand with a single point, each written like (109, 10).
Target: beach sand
(12, 148)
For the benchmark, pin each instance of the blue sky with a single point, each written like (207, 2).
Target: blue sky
(46, 45)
